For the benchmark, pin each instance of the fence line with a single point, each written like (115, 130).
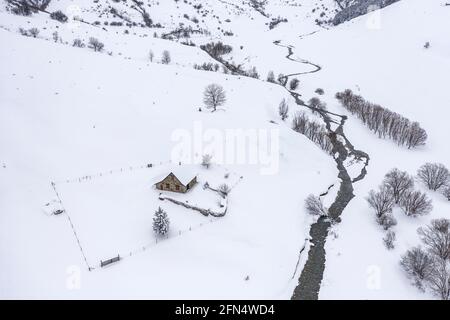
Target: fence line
(110, 172)
(72, 226)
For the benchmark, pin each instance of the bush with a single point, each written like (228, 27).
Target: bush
(446, 192)
(283, 109)
(96, 45)
(166, 57)
(416, 203)
(206, 160)
(224, 189)
(399, 182)
(320, 91)
(271, 77)
(436, 237)
(78, 43)
(316, 104)
(34, 32)
(59, 16)
(434, 175)
(389, 240)
(382, 201)
(293, 84)
(314, 206)
(418, 265)
(386, 221)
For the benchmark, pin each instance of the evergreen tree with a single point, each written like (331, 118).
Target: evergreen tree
(161, 222)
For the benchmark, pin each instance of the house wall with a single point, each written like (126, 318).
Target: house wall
(170, 183)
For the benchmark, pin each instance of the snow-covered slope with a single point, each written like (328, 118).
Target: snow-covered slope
(93, 121)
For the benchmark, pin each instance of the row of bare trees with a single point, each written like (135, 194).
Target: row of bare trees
(313, 130)
(384, 122)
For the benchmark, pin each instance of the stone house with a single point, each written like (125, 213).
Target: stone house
(177, 181)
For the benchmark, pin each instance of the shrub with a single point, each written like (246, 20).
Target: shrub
(389, 240)
(382, 201)
(206, 160)
(283, 109)
(386, 221)
(416, 203)
(418, 265)
(314, 206)
(434, 175)
(95, 44)
(399, 182)
(293, 84)
(59, 16)
(166, 57)
(436, 237)
(78, 43)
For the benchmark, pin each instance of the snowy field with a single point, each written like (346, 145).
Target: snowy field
(70, 112)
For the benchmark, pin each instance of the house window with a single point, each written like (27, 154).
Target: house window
(167, 186)
(177, 187)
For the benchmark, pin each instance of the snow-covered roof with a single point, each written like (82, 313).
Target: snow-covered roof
(183, 173)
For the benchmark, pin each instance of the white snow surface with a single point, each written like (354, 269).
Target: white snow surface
(92, 122)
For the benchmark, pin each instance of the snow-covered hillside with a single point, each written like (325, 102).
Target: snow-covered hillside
(91, 132)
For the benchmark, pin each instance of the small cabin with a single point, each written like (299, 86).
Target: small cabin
(177, 181)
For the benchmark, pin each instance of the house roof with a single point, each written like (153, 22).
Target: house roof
(183, 173)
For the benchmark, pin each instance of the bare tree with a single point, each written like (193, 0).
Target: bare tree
(418, 265)
(151, 55)
(316, 103)
(439, 279)
(282, 79)
(271, 77)
(224, 189)
(214, 96)
(399, 182)
(34, 32)
(206, 160)
(314, 206)
(387, 221)
(437, 238)
(416, 203)
(446, 192)
(389, 240)
(166, 57)
(382, 201)
(434, 175)
(283, 109)
(95, 44)
(293, 84)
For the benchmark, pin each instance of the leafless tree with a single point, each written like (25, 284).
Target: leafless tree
(416, 203)
(214, 96)
(389, 240)
(316, 103)
(293, 84)
(166, 57)
(34, 32)
(446, 192)
(384, 122)
(271, 77)
(78, 43)
(434, 175)
(439, 279)
(95, 44)
(399, 182)
(282, 79)
(418, 265)
(224, 189)
(151, 55)
(436, 237)
(387, 221)
(314, 206)
(315, 132)
(206, 160)
(27, 7)
(283, 109)
(382, 201)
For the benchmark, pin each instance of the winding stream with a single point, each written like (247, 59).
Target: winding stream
(312, 274)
